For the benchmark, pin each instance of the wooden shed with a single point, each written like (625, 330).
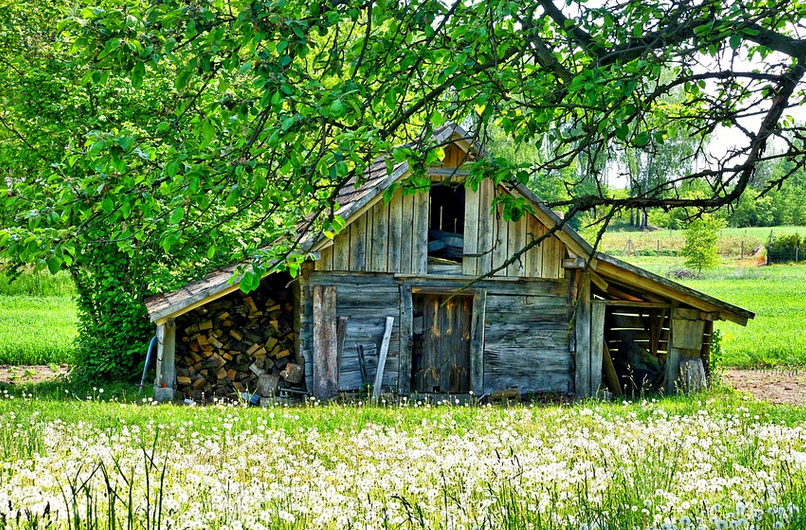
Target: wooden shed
(386, 305)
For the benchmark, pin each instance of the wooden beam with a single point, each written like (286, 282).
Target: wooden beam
(574, 263)
(597, 345)
(598, 281)
(477, 342)
(406, 340)
(642, 305)
(166, 355)
(610, 371)
(582, 331)
(387, 334)
(325, 368)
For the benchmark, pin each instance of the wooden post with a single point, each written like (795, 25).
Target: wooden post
(325, 369)
(597, 344)
(406, 340)
(610, 370)
(387, 334)
(705, 352)
(477, 342)
(582, 379)
(165, 381)
(742, 256)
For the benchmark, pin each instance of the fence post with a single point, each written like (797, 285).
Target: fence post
(742, 255)
(658, 252)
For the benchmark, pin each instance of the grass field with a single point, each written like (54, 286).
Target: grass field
(712, 461)
(37, 329)
(37, 319)
(729, 244)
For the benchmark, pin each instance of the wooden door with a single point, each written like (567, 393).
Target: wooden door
(441, 349)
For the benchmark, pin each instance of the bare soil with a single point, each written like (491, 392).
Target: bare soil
(778, 386)
(15, 375)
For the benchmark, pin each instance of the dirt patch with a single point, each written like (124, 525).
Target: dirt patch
(16, 375)
(781, 387)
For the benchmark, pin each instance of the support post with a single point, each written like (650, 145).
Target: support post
(165, 381)
(582, 379)
(477, 342)
(325, 366)
(406, 340)
(597, 344)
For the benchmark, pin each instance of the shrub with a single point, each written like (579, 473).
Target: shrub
(786, 248)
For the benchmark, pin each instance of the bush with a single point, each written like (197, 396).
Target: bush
(786, 248)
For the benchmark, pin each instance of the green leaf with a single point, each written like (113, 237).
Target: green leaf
(336, 108)
(108, 204)
(54, 264)
(641, 139)
(110, 46)
(177, 215)
(735, 41)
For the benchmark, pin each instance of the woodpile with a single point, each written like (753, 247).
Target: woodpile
(241, 343)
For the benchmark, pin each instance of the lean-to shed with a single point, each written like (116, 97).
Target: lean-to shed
(386, 304)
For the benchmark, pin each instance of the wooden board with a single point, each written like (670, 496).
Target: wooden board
(501, 241)
(325, 348)
(419, 241)
(477, 342)
(387, 335)
(582, 331)
(485, 228)
(406, 339)
(516, 242)
(406, 234)
(380, 237)
(395, 234)
(358, 244)
(470, 261)
(598, 308)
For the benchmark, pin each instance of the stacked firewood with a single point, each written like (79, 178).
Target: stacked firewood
(239, 344)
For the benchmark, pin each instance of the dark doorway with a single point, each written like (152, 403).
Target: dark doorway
(441, 349)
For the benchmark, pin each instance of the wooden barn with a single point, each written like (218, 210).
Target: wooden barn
(385, 305)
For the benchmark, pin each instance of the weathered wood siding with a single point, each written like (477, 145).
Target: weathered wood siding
(366, 299)
(526, 343)
(393, 237)
(490, 241)
(387, 237)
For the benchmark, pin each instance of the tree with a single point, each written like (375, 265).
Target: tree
(189, 132)
(700, 249)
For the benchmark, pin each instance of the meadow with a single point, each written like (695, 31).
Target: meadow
(37, 319)
(712, 461)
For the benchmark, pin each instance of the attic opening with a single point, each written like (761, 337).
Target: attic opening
(446, 222)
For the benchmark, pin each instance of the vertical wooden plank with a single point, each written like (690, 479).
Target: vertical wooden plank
(395, 232)
(406, 340)
(341, 251)
(325, 261)
(485, 224)
(406, 231)
(325, 367)
(535, 262)
(341, 338)
(582, 379)
(358, 244)
(501, 240)
(446, 353)
(477, 342)
(550, 269)
(526, 259)
(380, 236)
(419, 241)
(384, 352)
(469, 263)
(368, 238)
(516, 240)
(610, 370)
(597, 344)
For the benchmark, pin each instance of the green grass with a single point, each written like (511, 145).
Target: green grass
(37, 329)
(37, 284)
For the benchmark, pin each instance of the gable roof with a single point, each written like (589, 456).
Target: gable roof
(355, 198)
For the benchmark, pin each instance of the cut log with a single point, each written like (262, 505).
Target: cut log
(293, 373)
(267, 385)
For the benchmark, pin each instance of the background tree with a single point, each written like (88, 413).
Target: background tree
(700, 249)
